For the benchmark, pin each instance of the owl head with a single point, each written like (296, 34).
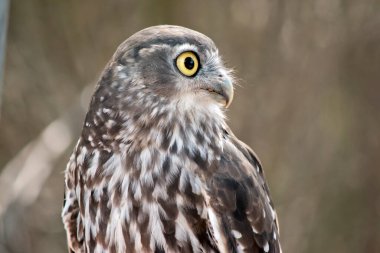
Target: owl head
(166, 65)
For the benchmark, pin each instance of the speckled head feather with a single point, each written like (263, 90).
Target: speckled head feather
(156, 168)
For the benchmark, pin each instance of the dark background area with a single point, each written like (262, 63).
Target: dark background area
(307, 101)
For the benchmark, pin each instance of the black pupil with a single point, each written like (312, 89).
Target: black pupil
(189, 63)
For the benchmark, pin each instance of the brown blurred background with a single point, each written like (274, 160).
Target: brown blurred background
(308, 103)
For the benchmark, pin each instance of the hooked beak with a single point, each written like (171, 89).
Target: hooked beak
(223, 91)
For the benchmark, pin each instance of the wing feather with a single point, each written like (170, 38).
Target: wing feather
(239, 196)
(71, 212)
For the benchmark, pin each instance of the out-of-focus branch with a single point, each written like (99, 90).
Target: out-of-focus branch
(4, 9)
(25, 174)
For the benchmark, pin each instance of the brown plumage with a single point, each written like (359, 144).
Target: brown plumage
(156, 168)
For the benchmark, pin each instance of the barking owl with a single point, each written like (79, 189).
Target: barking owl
(156, 168)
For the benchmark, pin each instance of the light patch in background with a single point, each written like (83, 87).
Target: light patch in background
(23, 177)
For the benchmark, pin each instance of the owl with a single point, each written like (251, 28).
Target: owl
(156, 168)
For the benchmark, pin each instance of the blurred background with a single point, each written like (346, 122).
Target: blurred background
(308, 103)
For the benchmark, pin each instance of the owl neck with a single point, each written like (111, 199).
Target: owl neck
(179, 127)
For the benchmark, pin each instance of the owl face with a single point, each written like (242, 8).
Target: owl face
(176, 64)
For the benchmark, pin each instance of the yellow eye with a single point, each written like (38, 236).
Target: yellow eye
(187, 63)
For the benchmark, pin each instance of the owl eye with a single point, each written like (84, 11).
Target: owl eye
(188, 63)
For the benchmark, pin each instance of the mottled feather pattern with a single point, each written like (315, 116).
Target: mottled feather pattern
(156, 168)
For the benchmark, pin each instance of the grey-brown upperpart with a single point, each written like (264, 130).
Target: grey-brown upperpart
(166, 34)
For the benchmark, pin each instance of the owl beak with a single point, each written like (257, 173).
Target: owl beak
(223, 91)
(227, 91)
(220, 89)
